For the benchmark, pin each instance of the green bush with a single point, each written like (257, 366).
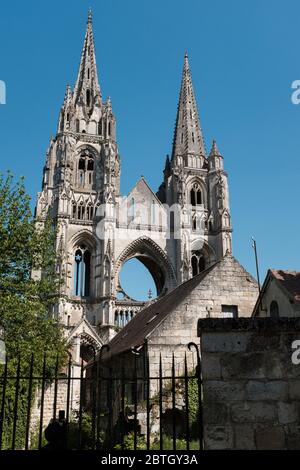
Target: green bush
(129, 443)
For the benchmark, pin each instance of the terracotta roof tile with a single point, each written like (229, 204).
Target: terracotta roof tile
(290, 280)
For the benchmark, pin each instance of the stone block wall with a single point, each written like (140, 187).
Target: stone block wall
(251, 389)
(49, 399)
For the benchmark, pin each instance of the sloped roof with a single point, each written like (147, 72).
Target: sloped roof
(146, 320)
(290, 281)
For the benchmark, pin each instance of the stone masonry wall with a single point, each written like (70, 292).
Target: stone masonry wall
(49, 399)
(227, 284)
(251, 389)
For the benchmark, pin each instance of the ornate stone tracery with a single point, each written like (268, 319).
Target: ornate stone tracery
(81, 189)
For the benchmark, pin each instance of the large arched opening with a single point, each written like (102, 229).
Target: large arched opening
(144, 267)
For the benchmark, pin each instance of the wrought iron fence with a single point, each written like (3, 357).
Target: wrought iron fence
(98, 406)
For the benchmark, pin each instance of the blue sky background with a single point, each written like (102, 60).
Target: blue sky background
(244, 55)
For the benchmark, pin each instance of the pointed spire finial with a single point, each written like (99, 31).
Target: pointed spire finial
(90, 16)
(87, 86)
(214, 150)
(188, 138)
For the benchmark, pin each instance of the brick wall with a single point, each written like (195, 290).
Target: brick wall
(251, 389)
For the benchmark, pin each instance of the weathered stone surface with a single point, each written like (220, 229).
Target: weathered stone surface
(231, 342)
(218, 437)
(266, 341)
(248, 365)
(244, 437)
(293, 437)
(294, 390)
(216, 413)
(270, 439)
(250, 412)
(217, 390)
(287, 413)
(258, 383)
(211, 367)
(259, 391)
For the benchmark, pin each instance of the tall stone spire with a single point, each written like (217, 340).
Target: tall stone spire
(87, 88)
(188, 138)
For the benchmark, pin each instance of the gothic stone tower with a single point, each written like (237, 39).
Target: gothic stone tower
(198, 184)
(99, 230)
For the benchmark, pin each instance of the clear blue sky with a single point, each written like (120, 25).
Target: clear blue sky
(244, 55)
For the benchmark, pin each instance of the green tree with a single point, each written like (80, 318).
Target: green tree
(29, 287)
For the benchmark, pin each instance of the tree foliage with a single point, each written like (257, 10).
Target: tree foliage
(26, 298)
(29, 287)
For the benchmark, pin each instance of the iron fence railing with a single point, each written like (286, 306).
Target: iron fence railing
(102, 407)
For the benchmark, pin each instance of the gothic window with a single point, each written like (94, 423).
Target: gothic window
(82, 272)
(77, 125)
(81, 178)
(193, 137)
(85, 169)
(89, 212)
(88, 73)
(100, 127)
(198, 263)
(196, 195)
(274, 309)
(80, 211)
(109, 128)
(74, 211)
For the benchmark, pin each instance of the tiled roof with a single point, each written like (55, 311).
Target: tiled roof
(290, 280)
